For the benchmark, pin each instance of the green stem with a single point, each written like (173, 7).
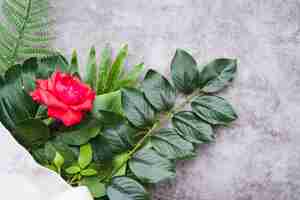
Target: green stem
(21, 34)
(155, 126)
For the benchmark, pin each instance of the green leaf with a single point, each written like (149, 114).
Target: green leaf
(58, 160)
(118, 161)
(74, 68)
(217, 75)
(88, 172)
(116, 69)
(136, 108)
(124, 188)
(108, 118)
(120, 136)
(131, 78)
(96, 188)
(80, 136)
(192, 128)
(184, 72)
(39, 156)
(46, 66)
(103, 71)
(73, 170)
(168, 143)
(102, 150)
(32, 133)
(85, 156)
(213, 109)
(91, 69)
(150, 167)
(159, 91)
(108, 102)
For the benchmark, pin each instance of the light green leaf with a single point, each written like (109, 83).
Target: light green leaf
(116, 69)
(192, 128)
(136, 108)
(85, 156)
(168, 143)
(131, 78)
(124, 188)
(91, 69)
(88, 172)
(150, 167)
(74, 68)
(217, 74)
(159, 91)
(118, 161)
(96, 188)
(213, 109)
(73, 170)
(184, 72)
(104, 68)
(58, 161)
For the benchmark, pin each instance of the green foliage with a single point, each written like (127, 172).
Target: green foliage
(24, 33)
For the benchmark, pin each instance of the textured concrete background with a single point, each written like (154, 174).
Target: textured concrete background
(258, 157)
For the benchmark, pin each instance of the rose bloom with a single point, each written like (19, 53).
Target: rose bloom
(66, 97)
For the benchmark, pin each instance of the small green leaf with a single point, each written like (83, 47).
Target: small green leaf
(32, 133)
(136, 108)
(74, 68)
(85, 156)
(116, 69)
(217, 74)
(124, 188)
(103, 71)
(91, 69)
(118, 161)
(73, 170)
(150, 167)
(168, 143)
(131, 78)
(58, 160)
(213, 109)
(192, 128)
(88, 172)
(108, 102)
(96, 188)
(159, 91)
(184, 72)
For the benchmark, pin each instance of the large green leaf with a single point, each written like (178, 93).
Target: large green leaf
(32, 133)
(85, 156)
(15, 103)
(150, 167)
(95, 186)
(217, 74)
(136, 108)
(168, 143)
(184, 71)
(46, 66)
(120, 136)
(124, 188)
(213, 109)
(192, 128)
(159, 91)
(102, 150)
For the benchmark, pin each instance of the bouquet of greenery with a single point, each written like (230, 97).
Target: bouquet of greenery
(106, 128)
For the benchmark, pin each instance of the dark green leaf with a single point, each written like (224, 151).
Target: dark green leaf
(32, 133)
(214, 110)
(108, 118)
(124, 188)
(150, 167)
(217, 74)
(158, 90)
(102, 150)
(39, 156)
(91, 69)
(168, 143)
(48, 65)
(85, 156)
(120, 136)
(192, 128)
(74, 68)
(96, 188)
(138, 111)
(184, 71)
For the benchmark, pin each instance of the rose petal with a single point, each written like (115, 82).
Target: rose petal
(42, 84)
(68, 117)
(50, 100)
(85, 106)
(36, 96)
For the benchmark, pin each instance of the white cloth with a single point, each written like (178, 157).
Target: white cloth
(22, 178)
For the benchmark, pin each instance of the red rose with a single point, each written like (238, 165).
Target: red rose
(66, 97)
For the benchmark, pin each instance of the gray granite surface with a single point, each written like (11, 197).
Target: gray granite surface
(258, 157)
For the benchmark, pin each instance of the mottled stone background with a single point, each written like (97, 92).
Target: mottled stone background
(258, 157)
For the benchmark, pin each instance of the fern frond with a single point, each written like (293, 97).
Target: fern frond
(24, 33)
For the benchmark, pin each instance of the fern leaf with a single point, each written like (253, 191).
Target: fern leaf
(24, 33)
